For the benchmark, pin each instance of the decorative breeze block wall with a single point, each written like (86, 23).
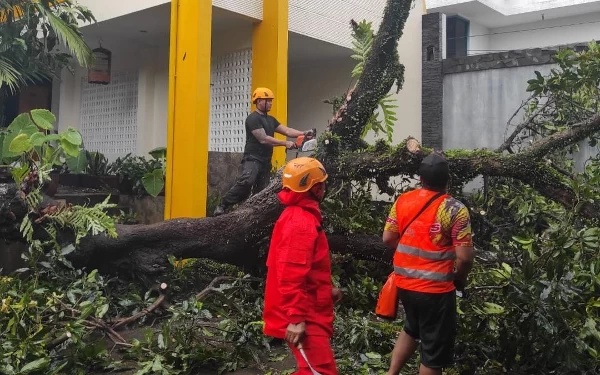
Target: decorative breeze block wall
(231, 78)
(108, 121)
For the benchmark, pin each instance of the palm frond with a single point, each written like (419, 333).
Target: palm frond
(71, 38)
(9, 74)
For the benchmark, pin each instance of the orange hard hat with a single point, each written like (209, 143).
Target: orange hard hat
(301, 174)
(262, 93)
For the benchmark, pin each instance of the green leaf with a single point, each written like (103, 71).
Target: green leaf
(146, 369)
(69, 148)
(158, 153)
(102, 311)
(18, 174)
(43, 118)
(72, 136)
(92, 276)
(154, 182)
(53, 137)
(20, 122)
(36, 365)
(492, 308)
(20, 144)
(67, 249)
(37, 139)
(79, 163)
(21, 125)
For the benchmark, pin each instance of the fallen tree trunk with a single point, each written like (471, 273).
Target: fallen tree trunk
(235, 238)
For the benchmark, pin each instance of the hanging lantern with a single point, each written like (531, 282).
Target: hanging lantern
(100, 72)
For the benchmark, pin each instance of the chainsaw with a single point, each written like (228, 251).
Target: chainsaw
(306, 143)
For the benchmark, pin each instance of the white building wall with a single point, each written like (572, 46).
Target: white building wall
(107, 9)
(479, 39)
(513, 7)
(250, 8)
(409, 98)
(308, 85)
(547, 33)
(330, 20)
(151, 66)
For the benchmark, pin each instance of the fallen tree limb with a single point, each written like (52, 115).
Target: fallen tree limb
(528, 166)
(156, 304)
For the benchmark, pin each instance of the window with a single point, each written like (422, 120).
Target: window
(430, 53)
(457, 36)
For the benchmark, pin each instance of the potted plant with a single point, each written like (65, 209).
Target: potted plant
(97, 172)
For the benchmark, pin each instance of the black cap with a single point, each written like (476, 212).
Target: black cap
(434, 170)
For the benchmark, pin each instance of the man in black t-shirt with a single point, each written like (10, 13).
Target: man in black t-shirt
(256, 163)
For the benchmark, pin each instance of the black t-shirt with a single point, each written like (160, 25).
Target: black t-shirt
(253, 148)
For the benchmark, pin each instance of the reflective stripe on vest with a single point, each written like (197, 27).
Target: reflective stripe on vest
(425, 275)
(429, 255)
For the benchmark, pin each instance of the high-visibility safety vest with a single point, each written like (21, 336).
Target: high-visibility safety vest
(419, 264)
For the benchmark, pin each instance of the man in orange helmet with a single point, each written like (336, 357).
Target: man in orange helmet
(260, 140)
(431, 232)
(299, 294)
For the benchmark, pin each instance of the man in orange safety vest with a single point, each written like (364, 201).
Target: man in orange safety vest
(433, 257)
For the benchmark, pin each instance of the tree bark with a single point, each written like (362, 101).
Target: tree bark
(528, 166)
(381, 70)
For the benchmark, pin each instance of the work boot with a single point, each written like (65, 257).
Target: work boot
(219, 210)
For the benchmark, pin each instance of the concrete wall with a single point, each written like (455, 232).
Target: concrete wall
(478, 105)
(546, 33)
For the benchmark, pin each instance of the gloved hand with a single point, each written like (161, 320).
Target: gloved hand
(309, 134)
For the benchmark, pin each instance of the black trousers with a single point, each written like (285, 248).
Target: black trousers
(253, 177)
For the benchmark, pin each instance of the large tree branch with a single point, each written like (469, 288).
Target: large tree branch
(527, 166)
(382, 69)
(573, 134)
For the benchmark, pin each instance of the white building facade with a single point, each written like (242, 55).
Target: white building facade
(486, 26)
(130, 114)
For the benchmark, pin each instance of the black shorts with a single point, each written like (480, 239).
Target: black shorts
(431, 318)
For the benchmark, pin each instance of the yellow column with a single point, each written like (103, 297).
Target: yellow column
(189, 109)
(270, 62)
